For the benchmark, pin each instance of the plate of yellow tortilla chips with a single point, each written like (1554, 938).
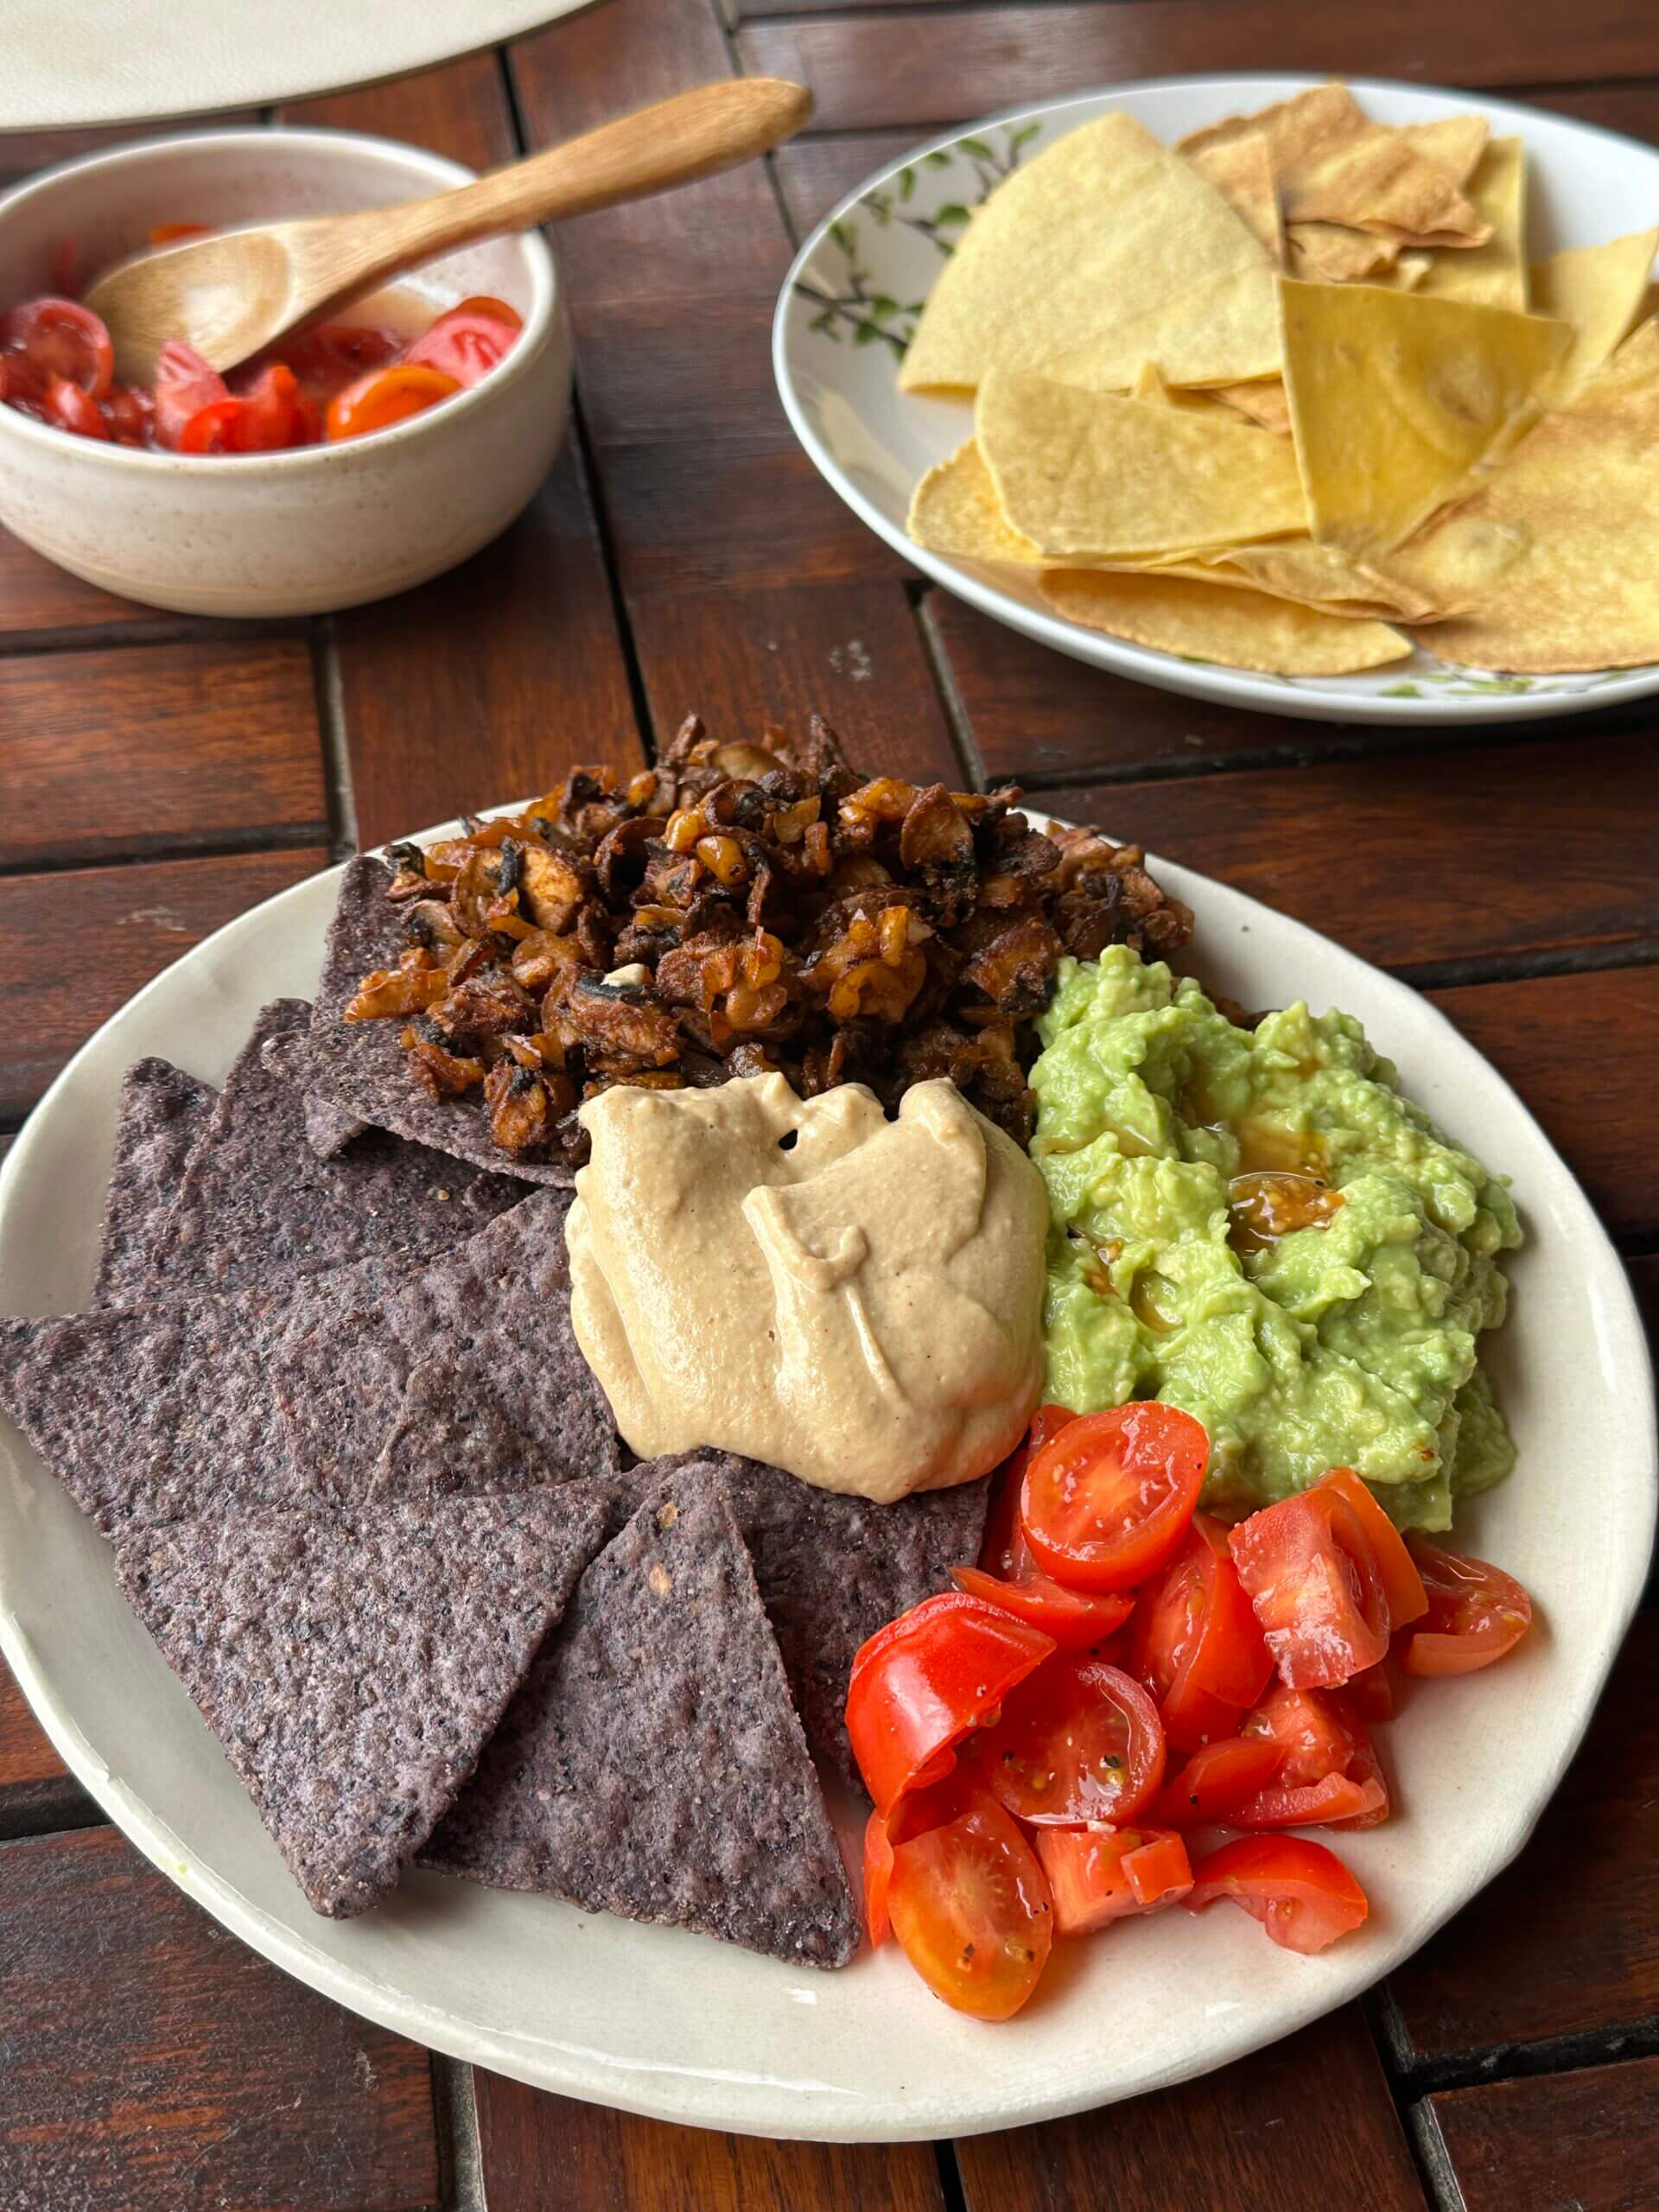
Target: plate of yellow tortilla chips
(1330, 399)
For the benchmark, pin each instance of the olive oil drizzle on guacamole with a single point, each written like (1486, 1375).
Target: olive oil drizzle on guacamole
(1257, 1226)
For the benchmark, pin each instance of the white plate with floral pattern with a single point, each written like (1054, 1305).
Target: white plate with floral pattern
(851, 301)
(685, 2029)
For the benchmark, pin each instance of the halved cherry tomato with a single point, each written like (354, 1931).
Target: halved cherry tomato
(387, 395)
(1475, 1613)
(464, 343)
(1373, 1694)
(1301, 1893)
(1313, 1577)
(277, 413)
(920, 1684)
(1197, 1644)
(1109, 1499)
(60, 337)
(1079, 1741)
(185, 384)
(129, 409)
(331, 355)
(970, 1907)
(1099, 1874)
(1217, 1779)
(1009, 1576)
(1401, 1583)
(214, 429)
(486, 304)
(1329, 1771)
(72, 408)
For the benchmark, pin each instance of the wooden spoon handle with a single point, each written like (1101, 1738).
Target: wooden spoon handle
(678, 140)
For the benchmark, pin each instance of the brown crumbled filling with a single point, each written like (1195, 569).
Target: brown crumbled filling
(790, 916)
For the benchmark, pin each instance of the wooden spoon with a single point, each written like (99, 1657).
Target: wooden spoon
(229, 295)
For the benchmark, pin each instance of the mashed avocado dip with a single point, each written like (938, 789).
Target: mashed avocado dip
(1254, 1225)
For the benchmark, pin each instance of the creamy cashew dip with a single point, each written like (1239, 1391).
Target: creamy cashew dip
(855, 1299)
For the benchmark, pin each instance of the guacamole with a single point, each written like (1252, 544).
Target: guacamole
(1254, 1225)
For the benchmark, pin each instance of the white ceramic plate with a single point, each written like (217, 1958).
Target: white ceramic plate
(852, 296)
(686, 2029)
(134, 60)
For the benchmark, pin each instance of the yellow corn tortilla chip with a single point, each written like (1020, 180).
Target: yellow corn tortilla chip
(1107, 231)
(1394, 399)
(1326, 253)
(953, 511)
(1219, 622)
(1454, 142)
(1601, 290)
(1564, 539)
(1149, 386)
(1263, 403)
(1496, 272)
(1088, 472)
(1216, 335)
(1409, 272)
(1322, 576)
(1334, 166)
(1242, 171)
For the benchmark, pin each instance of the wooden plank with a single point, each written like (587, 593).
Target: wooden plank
(458, 109)
(39, 601)
(1584, 2142)
(852, 653)
(1544, 1034)
(1631, 108)
(1493, 850)
(539, 2151)
(26, 1757)
(136, 750)
(1302, 2126)
(59, 981)
(489, 683)
(813, 174)
(1563, 1942)
(153, 2062)
(925, 67)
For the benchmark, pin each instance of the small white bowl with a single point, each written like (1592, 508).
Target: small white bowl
(283, 533)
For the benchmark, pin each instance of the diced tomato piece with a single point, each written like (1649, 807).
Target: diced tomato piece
(1080, 1740)
(1217, 1779)
(1099, 1874)
(1301, 1893)
(1328, 1772)
(485, 304)
(1402, 1584)
(464, 343)
(214, 429)
(920, 1684)
(1313, 1576)
(1196, 1643)
(331, 355)
(60, 337)
(1372, 1694)
(1475, 1613)
(129, 409)
(386, 397)
(185, 384)
(72, 408)
(1076, 1621)
(277, 414)
(1108, 1501)
(970, 1907)
(878, 1873)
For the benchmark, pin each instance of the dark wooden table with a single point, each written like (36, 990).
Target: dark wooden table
(160, 775)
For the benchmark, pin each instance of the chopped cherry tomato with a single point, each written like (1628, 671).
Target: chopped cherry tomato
(1372, 1694)
(1328, 1772)
(387, 395)
(1197, 1644)
(1476, 1613)
(920, 1684)
(1099, 1874)
(878, 1875)
(129, 409)
(60, 337)
(1217, 1779)
(1107, 1500)
(1301, 1893)
(185, 384)
(214, 429)
(331, 355)
(175, 233)
(1401, 1583)
(485, 304)
(1005, 1552)
(277, 413)
(970, 1907)
(464, 345)
(1313, 1578)
(1079, 1741)
(72, 408)
(1009, 1576)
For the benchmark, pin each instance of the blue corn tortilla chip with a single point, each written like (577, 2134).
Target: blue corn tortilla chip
(359, 1067)
(363, 934)
(162, 1114)
(354, 1668)
(257, 1204)
(652, 1764)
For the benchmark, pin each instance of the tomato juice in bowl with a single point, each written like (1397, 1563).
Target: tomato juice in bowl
(315, 526)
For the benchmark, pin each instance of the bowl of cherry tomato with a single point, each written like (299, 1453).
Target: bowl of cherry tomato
(355, 459)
